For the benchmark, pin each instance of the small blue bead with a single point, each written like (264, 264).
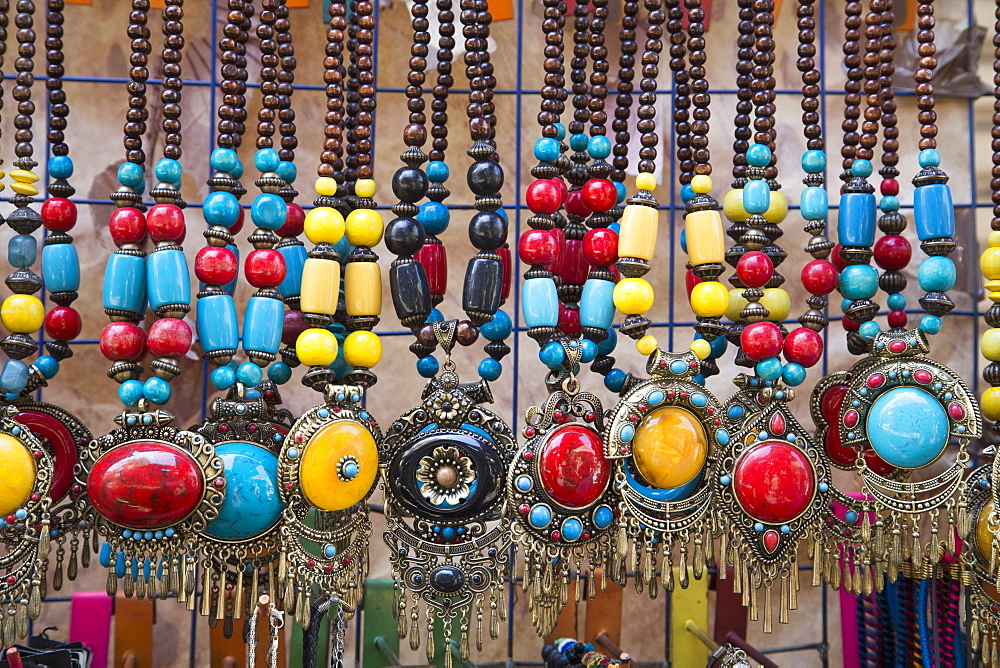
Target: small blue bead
(130, 174)
(287, 171)
(497, 329)
(252, 394)
(814, 161)
(156, 390)
(490, 369)
(814, 203)
(546, 149)
(862, 168)
(622, 191)
(237, 171)
(700, 380)
(60, 167)
(929, 157)
(266, 160)
(560, 131)
(769, 369)
(168, 170)
(897, 301)
(579, 142)
(719, 346)
(280, 373)
(437, 171)
(221, 208)
(10, 397)
(615, 380)
(249, 374)
(936, 273)
(756, 197)
(552, 355)
(859, 281)
(758, 155)
(684, 240)
(869, 330)
(130, 392)
(223, 377)
(607, 346)
(599, 147)
(351, 470)
(47, 365)
(427, 366)
(793, 374)
(268, 211)
(22, 251)
(589, 351)
(930, 324)
(888, 203)
(224, 159)
(14, 376)
(687, 192)
(434, 216)
(435, 316)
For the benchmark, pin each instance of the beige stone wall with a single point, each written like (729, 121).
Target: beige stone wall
(96, 47)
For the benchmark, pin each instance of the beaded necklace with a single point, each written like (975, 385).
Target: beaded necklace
(901, 380)
(150, 484)
(443, 462)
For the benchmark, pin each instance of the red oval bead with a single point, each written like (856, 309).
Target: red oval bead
(127, 226)
(761, 340)
(145, 485)
(897, 319)
(293, 325)
(819, 277)
(169, 337)
(575, 205)
(889, 187)
(830, 405)
(600, 247)
(235, 229)
(922, 376)
(215, 266)
(892, 251)
(803, 346)
(63, 323)
(295, 219)
(599, 195)
(556, 265)
(123, 341)
(435, 261)
(507, 262)
(61, 442)
(572, 467)
(58, 214)
(574, 266)
(774, 482)
(569, 320)
(538, 247)
(165, 222)
(264, 267)
(543, 196)
(561, 187)
(849, 325)
(690, 280)
(754, 269)
(835, 258)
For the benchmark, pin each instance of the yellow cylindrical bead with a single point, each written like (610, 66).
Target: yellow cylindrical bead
(778, 209)
(362, 349)
(646, 345)
(706, 243)
(736, 305)
(777, 303)
(637, 236)
(989, 263)
(364, 188)
(22, 314)
(324, 224)
(316, 347)
(645, 181)
(701, 348)
(701, 184)
(320, 286)
(326, 186)
(993, 239)
(633, 296)
(363, 288)
(709, 299)
(990, 404)
(732, 206)
(990, 344)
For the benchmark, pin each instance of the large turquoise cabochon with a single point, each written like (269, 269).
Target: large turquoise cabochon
(252, 505)
(908, 427)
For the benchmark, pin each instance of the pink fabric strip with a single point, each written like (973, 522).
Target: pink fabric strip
(90, 623)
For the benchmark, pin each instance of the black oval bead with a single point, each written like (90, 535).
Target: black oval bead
(487, 230)
(404, 236)
(483, 282)
(447, 579)
(409, 184)
(485, 178)
(411, 293)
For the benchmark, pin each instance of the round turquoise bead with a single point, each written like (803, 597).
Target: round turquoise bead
(930, 324)
(572, 529)
(758, 155)
(897, 301)
(252, 503)
(168, 170)
(607, 346)
(221, 208)
(266, 160)
(224, 159)
(156, 390)
(719, 346)
(936, 273)
(579, 142)
(223, 377)
(249, 374)
(130, 392)
(560, 131)
(434, 216)
(769, 369)
(490, 369)
(237, 171)
(599, 147)
(869, 330)
(615, 380)
(814, 161)
(546, 149)
(22, 251)
(268, 211)
(589, 351)
(845, 304)
(929, 157)
(437, 171)
(498, 328)
(859, 281)
(279, 372)
(552, 355)
(130, 174)
(287, 171)
(540, 516)
(47, 365)
(908, 427)
(427, 366)
(687, 192)
(793, 374)
(862, 168)
(60, 167)
(621, 190)
(435, 315)
(684, 241)
(888, 203)
(603, 517)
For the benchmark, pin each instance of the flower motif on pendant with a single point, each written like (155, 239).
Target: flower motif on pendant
(446, 476)
(448, 406)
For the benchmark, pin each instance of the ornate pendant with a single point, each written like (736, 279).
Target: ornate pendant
(327, 469)
(773, 489)
(443, 469)
(242, 541)
(667, 432)
(563, 502)
(25, 523)
(979, 558)
(909, 407)
(152, 488)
